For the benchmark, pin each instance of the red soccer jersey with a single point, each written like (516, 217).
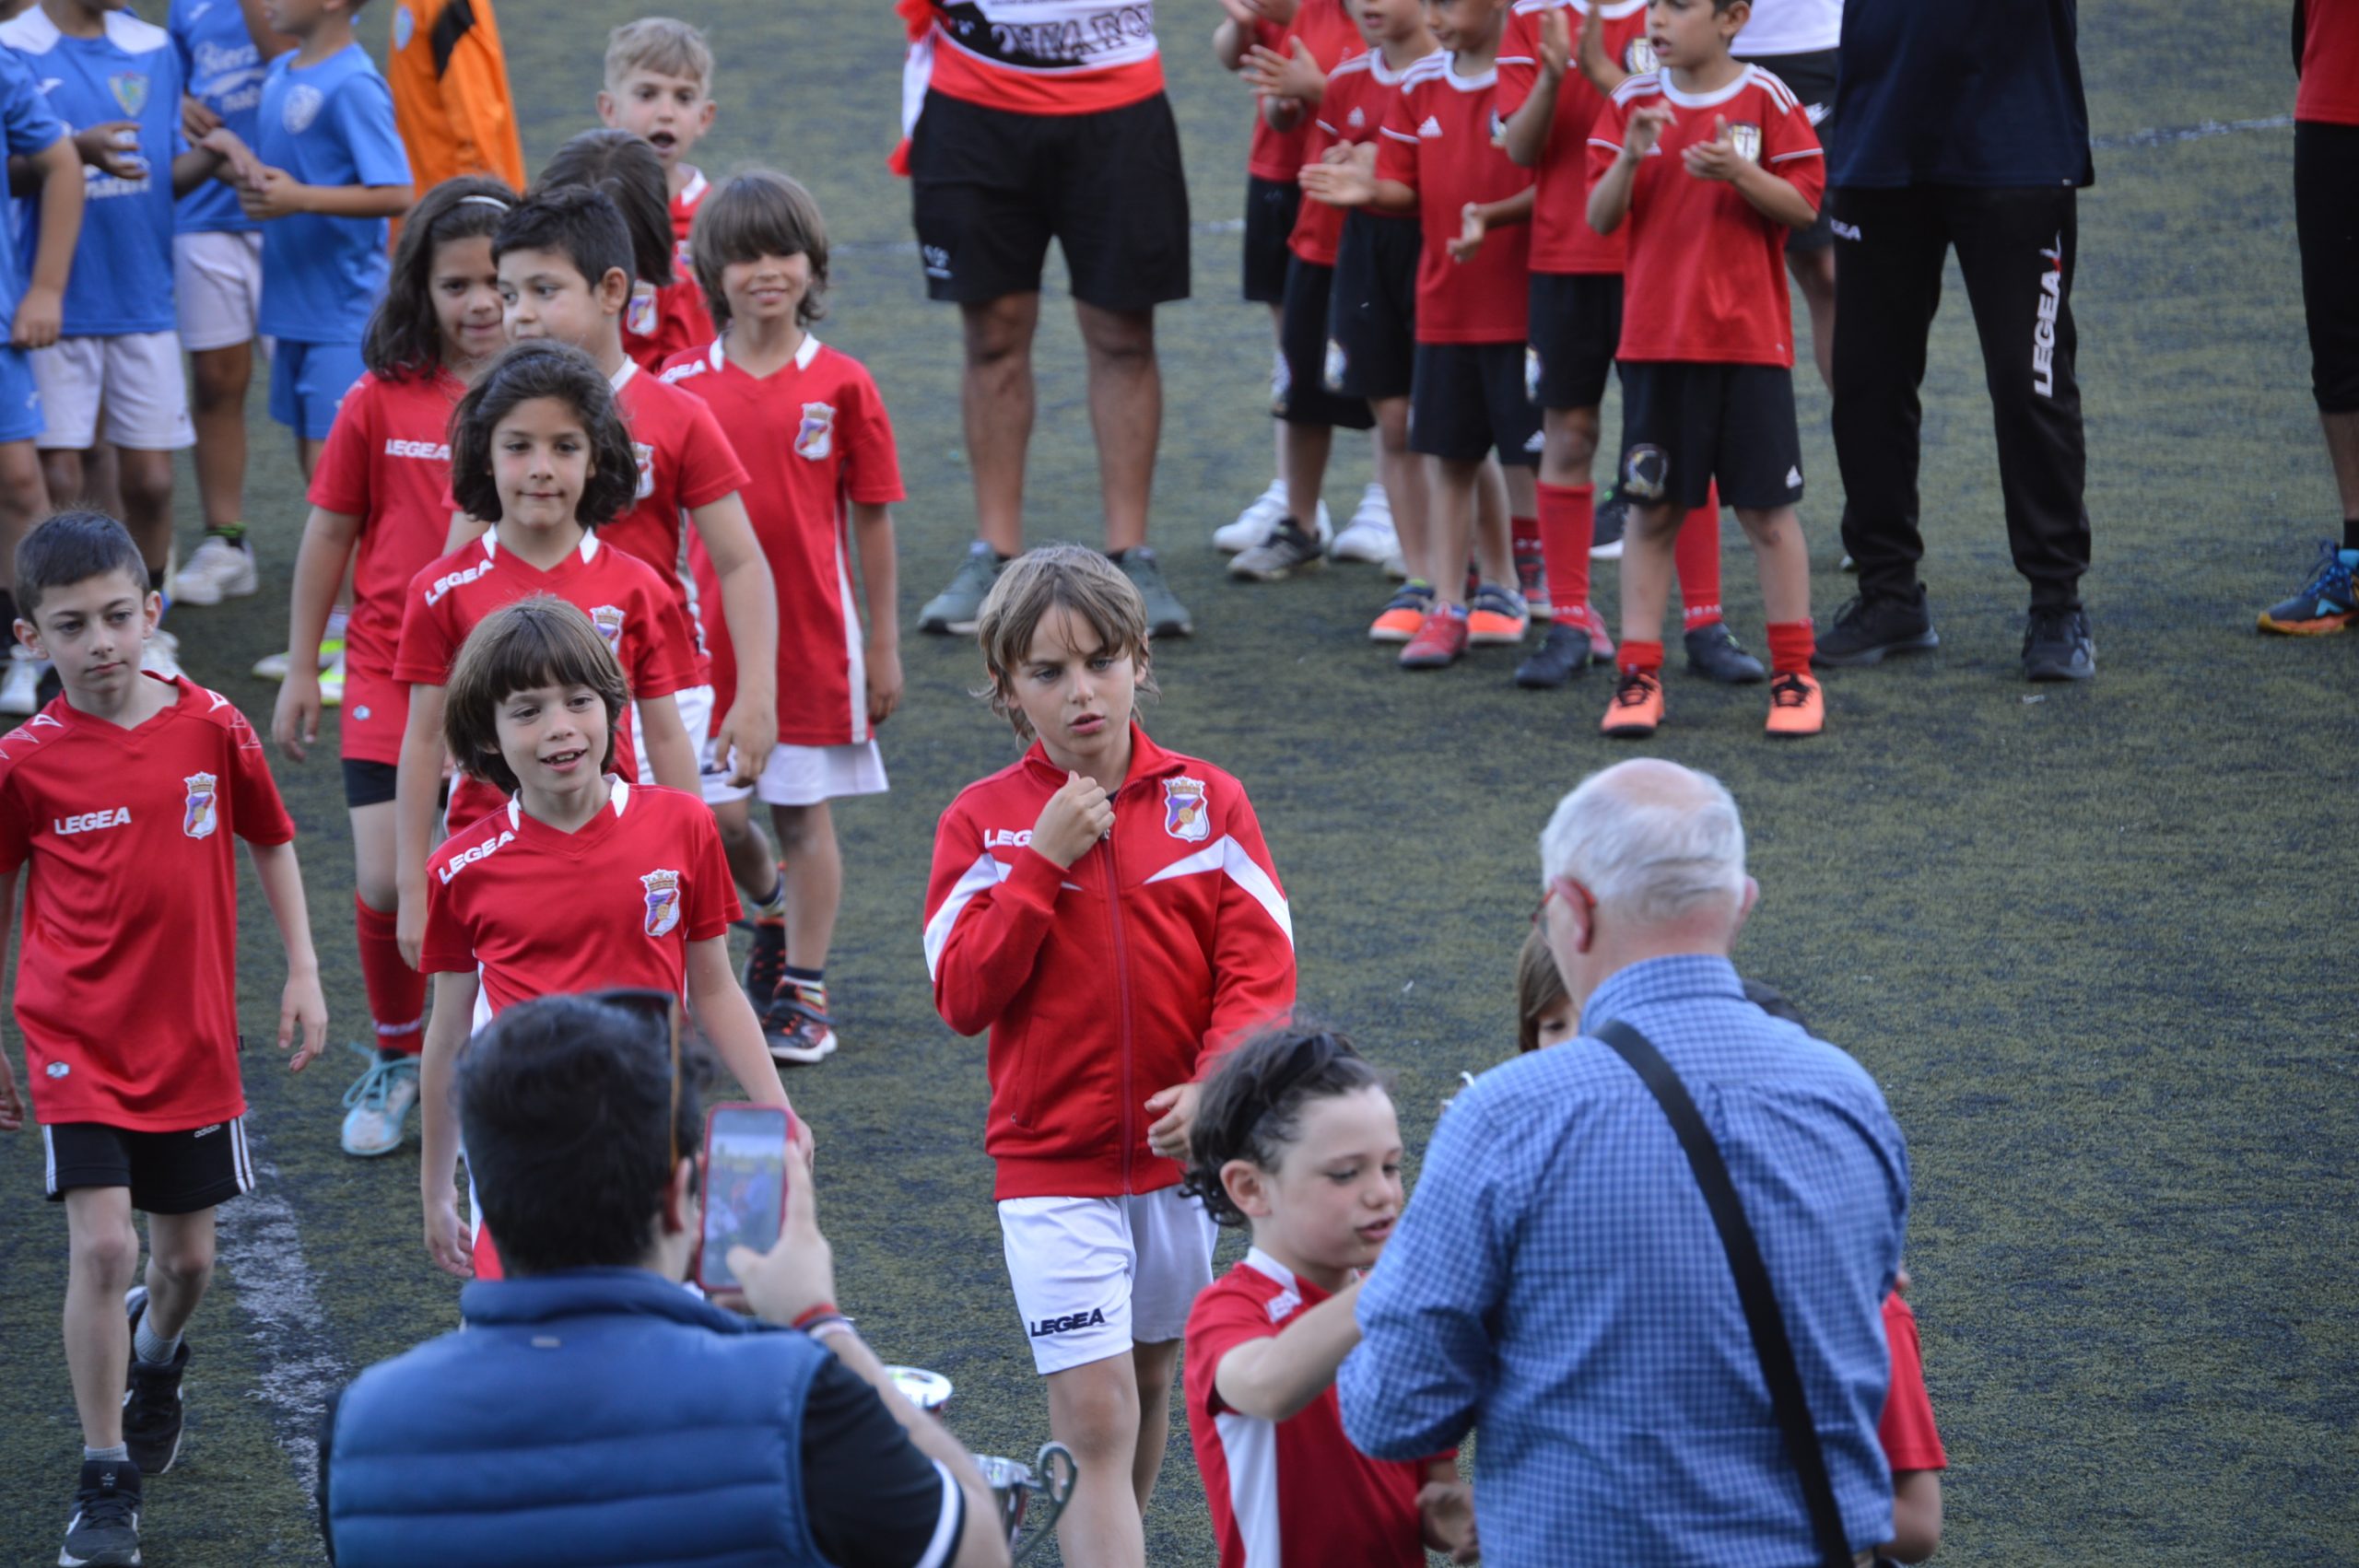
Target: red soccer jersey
(1562, 240)
(2329, 90)
(684, 462)
(641, 880)
(1910, 1440)
(1707, 276)
(1326, 28)
(818, 439)
(387, 461)
(1293, 1491)
(624, 598)
(660, 322)
(127, 979)
(1438, 142)
(1359, 95)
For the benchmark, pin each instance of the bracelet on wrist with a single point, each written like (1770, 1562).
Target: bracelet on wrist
(814, 1312)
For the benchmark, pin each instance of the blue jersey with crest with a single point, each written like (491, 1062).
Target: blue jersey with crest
(122, 263)
(26, 127)
(224, 70)
(331, 124)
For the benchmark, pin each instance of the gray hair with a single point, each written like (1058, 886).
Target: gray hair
(1653, 839)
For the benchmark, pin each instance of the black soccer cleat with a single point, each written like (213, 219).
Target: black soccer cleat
(1562, 654)
(152, 1409)
(1714, 653)
(104, 1531)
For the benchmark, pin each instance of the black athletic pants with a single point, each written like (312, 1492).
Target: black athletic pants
(2015, 249)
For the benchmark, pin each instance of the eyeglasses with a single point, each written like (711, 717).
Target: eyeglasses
(662, 1009)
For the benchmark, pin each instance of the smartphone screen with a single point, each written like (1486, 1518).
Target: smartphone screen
(744, 1186)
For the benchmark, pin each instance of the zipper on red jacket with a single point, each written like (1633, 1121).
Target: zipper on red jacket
(1122, 993)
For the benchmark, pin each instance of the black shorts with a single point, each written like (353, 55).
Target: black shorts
(1575, 324)
(1302, 396)
(990, 188)
(2326, 220)
(1470, 400)
(1372, 315)
(168, 1173)
(367, 783)
(1270, 209)
(1685, 425)
(1812, 78)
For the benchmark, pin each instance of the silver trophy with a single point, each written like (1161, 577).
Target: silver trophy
(1051, 1475)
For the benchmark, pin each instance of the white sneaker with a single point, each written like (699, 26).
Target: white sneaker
(20, 688)
(217, 569)
(376, 1105)
(1396, 566)
(1369, 535)
(332, 683)
(1253, 524)
(162, 655)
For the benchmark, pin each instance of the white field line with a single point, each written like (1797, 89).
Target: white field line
(263, 1249)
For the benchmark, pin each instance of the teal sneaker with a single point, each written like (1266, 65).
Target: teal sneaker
(954, 611)
(1165, 617)
(376, 1105)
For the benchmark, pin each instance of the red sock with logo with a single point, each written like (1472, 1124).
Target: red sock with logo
(1523, 538)
(1641, 658)
(1568, 527)
(1697, 553)
(1791, 645)
(397, 992)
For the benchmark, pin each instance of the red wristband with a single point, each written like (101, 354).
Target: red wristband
(810, 1315)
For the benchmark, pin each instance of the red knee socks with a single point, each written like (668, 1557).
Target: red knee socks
(1791, 645)
(1567, 527)
(397, 992)
(1697, 555)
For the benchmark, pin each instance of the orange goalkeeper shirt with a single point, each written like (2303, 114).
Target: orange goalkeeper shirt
(449, 83)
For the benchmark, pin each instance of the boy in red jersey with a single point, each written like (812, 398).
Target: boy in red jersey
(564, 260)
(1437, 160)
(1711, 161)
(813, 425)
(123, 796)
(534, 701)
(659, 86)
(1107, 910)
(1576, 323)
(538, 445)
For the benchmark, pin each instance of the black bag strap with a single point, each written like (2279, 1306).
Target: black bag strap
(1770, 1341)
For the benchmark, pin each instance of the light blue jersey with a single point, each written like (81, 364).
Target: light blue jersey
(27, 127)
(122, 265)
(224, 71)
(326, 125)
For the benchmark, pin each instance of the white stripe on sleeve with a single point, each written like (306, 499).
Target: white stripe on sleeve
(985, 872)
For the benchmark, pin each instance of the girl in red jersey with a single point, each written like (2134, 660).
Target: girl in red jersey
(1296, 1140)
(536, 697)
(377, 507)
(538, 446)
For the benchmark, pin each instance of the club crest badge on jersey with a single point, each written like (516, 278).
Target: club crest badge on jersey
(663, 902)
(608, 619)
(1184, 816)
(200, 818)
(640, 317)
(302, 106)
(645, 453)
(1746, 139)
(816, 438)
(130, 89)
(1640, 56)
(405, 26)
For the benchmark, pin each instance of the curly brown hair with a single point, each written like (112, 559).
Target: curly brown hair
(540, 367)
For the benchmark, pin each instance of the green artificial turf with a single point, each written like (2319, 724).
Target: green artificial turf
(2093, 941)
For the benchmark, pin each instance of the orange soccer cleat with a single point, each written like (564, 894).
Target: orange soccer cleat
(1636, 711)
(1797, 706)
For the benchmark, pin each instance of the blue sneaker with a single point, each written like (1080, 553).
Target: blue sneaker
(2325, 603)
(376, 1105)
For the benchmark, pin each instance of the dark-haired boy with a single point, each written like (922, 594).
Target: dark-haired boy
(565, 270)
(123, 797)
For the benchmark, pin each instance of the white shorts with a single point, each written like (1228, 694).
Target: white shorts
(800, 776)
(695, 704)
(135, 376)
(1095, 1275)
(217, 284)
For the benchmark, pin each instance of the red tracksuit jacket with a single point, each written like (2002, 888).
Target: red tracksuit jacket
(1102, 983)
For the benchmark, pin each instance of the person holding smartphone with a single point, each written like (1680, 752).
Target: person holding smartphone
(591, 1408)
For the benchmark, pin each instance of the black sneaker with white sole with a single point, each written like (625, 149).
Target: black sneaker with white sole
(1868, 631)
(2058, 645)
(104, 1531)
(1605, 535)
(152, 1409)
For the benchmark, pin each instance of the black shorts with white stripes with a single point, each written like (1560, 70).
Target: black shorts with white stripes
(168, 1173)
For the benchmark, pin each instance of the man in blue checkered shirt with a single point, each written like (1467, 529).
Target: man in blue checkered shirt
(1557, 1285)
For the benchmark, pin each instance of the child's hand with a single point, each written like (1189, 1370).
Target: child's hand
(1294, 74)
(446, 1239)
(227, 145)
(197, 119)
(1176, 1109)
(1646, 128)
(112, 148)
(1470, 230)
(1448, 1508)
(1077, 816)
(41, 316)
(409, 924)
(1343, 185)
(747, 734)
(295, 721)
(302, 1005)
(1718, 158)
(267, 192)
(884, 680)
(1556, 42)
(12, 1103)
